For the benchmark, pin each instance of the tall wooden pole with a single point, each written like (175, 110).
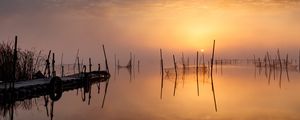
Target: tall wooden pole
(53, 65)
(78, 65)
(197, 62)
(61, 65)
(106, 65)
(299, 62)
(90, 65)
(211, 76)
(162, 73)
(279, 59)
(15, 62)
(175, 85)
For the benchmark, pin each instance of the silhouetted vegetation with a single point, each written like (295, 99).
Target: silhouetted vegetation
(24, 63)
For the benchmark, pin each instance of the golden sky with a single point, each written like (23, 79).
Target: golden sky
(239, 26)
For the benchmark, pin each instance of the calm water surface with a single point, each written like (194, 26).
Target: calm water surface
(242, 93)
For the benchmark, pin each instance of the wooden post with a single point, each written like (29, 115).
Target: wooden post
(90, 65)
(203, 63)
(286, 61)
(53, 65)
(162, 73)
(46, 71)
(48, 67)
(197, 73)
(78, 65)
(211, 76)
(115, 57)
(254, 60)
(279, 59)
(161, 63)
(99, 67)
(138, 65)
(105, 58)
(133, 63)
(265, 61)
(130, 62)
(14, 63)
(212, 59)
(76, 57)
(61, 64)
(299, 62)
(183, 61)
(188, 63)
(221, 66)
(286, 68)
(62, 71)
(175, 85)
(268, 56)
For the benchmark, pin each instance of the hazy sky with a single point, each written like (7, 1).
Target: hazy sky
(240, 27)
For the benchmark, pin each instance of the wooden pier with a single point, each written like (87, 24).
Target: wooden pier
(54, 86)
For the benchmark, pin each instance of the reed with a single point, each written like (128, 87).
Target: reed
(15, 64)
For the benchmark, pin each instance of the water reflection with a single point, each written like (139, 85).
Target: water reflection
(150, 96)
(13, 100)
(171, 74)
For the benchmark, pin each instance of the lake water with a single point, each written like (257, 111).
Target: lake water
(242, 92)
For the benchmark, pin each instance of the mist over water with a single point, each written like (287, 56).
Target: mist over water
(251, 80)
(241, 28)
(242, 92)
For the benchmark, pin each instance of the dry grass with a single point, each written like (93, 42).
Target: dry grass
(24, 66)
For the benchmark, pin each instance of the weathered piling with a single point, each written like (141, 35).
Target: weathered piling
(211, 76)
(188, 64)
(53, 65)
(197, 72)
(221, 66)
(286, 61)
(278, 53)
(286, 67)
(268, 57)
(99, 67)
(90, 65)
(254, 60)
(299, 62)
(203, 62)
(14, 63)
(162, 73)
(106, 64)
(175, 66)
(183, 62)
(61, 65)
(105, 91)
(133, 63)
(115, 60)
(138, 64)
(62, 71)
(47, 68)
(78, 65)
(76, 57)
